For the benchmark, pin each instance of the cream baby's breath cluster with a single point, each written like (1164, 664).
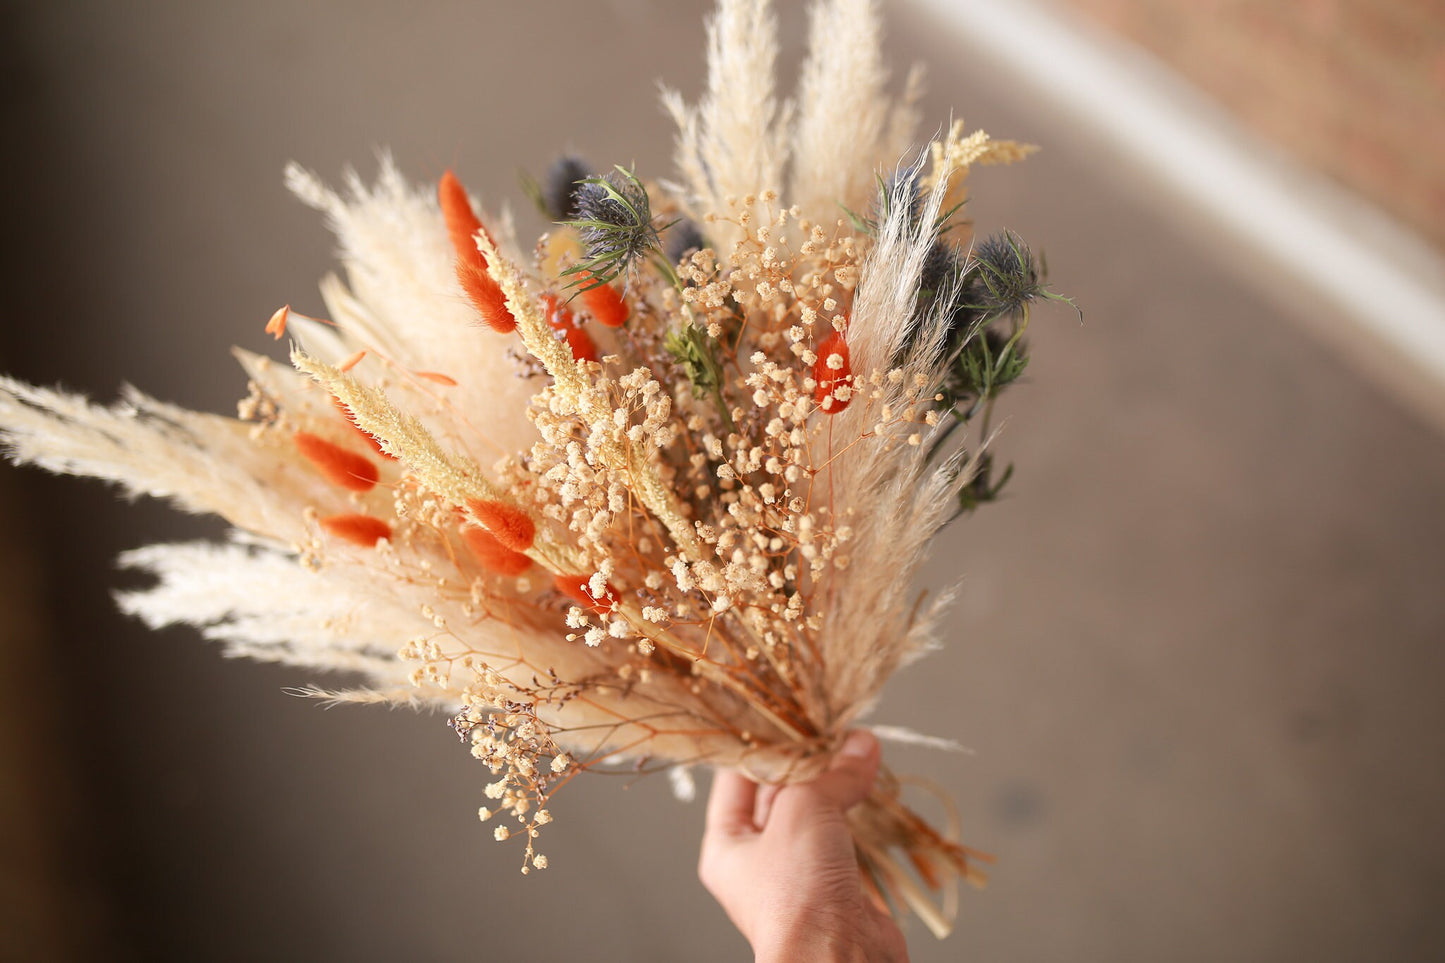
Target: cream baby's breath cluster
(650, 490)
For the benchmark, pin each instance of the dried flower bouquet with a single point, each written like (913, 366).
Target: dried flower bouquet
(651, 490)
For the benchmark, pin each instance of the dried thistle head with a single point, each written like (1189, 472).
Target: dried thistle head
(941, 269)
(612, 215)
(558, 192)
(1004, 278)
(683, 239)
(904, 189)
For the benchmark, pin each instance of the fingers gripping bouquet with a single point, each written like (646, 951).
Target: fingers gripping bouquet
(652, 489)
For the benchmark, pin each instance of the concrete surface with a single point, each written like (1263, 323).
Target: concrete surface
(1198, 654)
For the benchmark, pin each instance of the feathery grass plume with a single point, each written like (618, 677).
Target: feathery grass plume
(734, 143)
(842, 88)
(679, 527)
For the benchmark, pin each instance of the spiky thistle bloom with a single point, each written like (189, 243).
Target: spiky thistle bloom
(1005, 277)
(676, 522)
(612, 216)
(683, 239)
(558, 194)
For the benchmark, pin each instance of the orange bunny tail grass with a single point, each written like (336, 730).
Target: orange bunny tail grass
(487, 297)
(577, 588)
(561, 319)
(833, 372)
(491, 554)
(605, 305)
(362, 530)
(511, 526)
(462, 222)
(345, 469)
(472, 273)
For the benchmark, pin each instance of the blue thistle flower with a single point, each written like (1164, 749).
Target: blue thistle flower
(683, 238)
(1003, 278)
(612, 215)
(559, 191)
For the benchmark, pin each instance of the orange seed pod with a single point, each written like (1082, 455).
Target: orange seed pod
(277, 324)
(606, 306)
(561, 319)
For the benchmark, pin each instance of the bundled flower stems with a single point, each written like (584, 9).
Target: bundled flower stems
(649, 490)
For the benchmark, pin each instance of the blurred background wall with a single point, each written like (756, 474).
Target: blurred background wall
(1354, 88)
(1197, 654)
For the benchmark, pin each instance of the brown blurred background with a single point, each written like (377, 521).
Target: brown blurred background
(1198, 653)
(1354, 88)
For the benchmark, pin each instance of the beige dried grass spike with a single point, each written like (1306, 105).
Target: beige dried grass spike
(843, 110)
(734, 142)
(201, 462)
(955, 153)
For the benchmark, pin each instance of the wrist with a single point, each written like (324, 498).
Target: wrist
(811, 941)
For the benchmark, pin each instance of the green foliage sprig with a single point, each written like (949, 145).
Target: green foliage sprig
(695, 352)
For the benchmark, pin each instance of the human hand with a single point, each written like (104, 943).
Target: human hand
(780, 860)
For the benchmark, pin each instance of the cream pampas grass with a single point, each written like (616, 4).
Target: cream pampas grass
(599, 502)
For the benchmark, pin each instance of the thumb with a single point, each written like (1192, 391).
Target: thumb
(850, 775)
